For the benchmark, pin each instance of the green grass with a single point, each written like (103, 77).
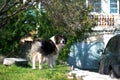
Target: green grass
(27, 73)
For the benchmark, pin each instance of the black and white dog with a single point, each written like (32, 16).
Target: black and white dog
(47, 49)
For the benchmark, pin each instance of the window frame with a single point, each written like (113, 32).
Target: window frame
(94, 4)
(113, 7)
(105, 6)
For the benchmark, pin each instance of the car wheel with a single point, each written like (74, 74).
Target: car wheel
(116, 71)
(112, 73)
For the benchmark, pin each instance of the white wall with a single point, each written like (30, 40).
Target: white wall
(105, 6)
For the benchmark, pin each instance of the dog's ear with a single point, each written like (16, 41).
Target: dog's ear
(56, 38)
(65, 39)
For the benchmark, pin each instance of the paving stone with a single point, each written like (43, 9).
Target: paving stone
(17, 61)
(88, 75)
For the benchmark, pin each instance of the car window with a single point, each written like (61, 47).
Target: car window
(118, 45)
(112, 45)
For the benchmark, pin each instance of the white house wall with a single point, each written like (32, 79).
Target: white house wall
(105, 6)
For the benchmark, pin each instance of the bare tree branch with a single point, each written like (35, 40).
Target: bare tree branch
(4, 5)
(9, 6)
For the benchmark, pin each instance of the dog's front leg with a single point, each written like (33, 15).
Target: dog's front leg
(49, 61)
(53, 60)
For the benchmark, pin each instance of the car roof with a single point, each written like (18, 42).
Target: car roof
(114, 37)
(113, 43)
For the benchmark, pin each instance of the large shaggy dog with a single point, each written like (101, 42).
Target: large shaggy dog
(47, 49)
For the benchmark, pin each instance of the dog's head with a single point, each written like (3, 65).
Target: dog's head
(59, 40)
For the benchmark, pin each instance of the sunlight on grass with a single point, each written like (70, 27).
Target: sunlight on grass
(27, 73)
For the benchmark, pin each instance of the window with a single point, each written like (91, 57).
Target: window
(96, 4)
(113, 6)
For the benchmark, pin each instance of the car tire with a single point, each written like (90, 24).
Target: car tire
(116, 71)
(112, 73)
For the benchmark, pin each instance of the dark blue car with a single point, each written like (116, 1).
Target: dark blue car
(110, 59)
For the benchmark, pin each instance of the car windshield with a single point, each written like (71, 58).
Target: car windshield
(113, 45)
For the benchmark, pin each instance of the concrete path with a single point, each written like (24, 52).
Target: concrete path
(87, 75)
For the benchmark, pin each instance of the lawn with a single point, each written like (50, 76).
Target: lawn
(27, 73)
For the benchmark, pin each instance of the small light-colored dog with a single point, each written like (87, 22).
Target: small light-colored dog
(48, 49)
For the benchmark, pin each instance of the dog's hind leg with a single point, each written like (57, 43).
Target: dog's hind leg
(40, 59)
(33, 61)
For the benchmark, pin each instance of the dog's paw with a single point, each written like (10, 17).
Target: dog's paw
(33, 67)
(40, 67)
(50, 66)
